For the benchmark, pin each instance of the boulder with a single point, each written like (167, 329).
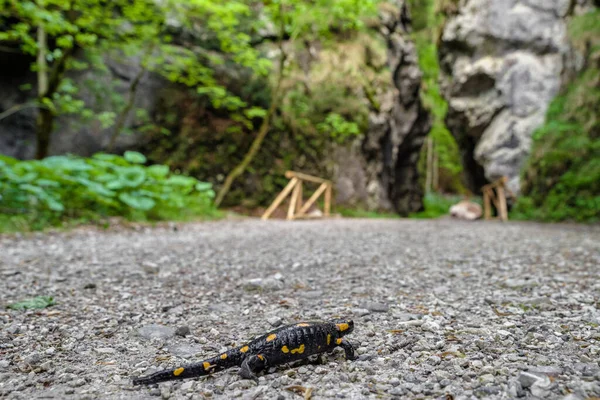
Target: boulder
(466, 210)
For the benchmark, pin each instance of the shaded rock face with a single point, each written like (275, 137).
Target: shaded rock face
(503, 63)
(72, 135)
(17, 138)
(385, 176)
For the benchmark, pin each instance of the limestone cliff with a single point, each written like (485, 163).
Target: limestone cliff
(389, 151)
(503, 63)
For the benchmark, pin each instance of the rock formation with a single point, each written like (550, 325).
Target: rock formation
(503, 63)
(72, 134)
(387, 178)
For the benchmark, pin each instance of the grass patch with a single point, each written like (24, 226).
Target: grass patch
(561, 180)
(438, 205)
(362, 213)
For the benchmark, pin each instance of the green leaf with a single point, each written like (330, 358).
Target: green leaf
(134, 157)
(180, 180)
(203, 186)
(131, 176)
(158, 171)
(34, 303)
(137, 202)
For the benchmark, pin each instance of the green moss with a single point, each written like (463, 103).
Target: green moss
(427, 21)
(561, 180)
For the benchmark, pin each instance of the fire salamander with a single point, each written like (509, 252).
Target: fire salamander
(283, 345)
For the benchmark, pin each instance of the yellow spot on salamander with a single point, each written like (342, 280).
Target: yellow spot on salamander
(244, 349)
(299, 350)
(260, 357)
(303, 324)
(285, 349)
(343, 327)
(178, 371)
(338, 341)
(207, 365)
(223, 356)
(328, 339)
(271, 337)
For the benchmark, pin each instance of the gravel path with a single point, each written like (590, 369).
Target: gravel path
(470, 310)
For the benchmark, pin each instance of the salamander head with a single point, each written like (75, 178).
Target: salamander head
(344, 326)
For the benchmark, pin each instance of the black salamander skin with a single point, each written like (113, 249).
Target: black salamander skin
(283, 345)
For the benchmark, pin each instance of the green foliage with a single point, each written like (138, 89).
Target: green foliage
(125, 28)
(32, 304)
(561, 180)
(436, 206)
(46, 192)
(426, 23)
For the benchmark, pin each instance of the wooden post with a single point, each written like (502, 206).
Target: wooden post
(428, 175)
(293, 201)
(299, 200)
(487, 206)
(280, 198)
(502, 209)
(297, 208)
(327, 206)
(436, 171)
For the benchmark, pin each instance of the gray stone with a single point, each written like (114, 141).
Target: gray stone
(274, 321)
(185, 350)
(77, 383)
(105, 350)
(156, 332)
(541, 388)
(376, 307)
(526, 379)
(549, 370)
(187, 386)
(13, 329)
(183, 331)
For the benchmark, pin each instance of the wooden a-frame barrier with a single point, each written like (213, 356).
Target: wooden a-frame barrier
(496, 192)
(297, 209)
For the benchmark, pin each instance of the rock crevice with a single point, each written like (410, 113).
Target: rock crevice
(389, 152)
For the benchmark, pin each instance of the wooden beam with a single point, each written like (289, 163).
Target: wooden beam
(304, 177)
(280, 197)
(313, 198)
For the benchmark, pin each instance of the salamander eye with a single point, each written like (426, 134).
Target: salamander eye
(344, 327)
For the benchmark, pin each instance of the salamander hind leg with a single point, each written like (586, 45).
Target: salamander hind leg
(251, 366)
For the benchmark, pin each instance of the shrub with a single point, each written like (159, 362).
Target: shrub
(55, 189)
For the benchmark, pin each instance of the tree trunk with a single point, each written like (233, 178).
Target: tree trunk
(48, 84)
(264, 127)
(254, 147)
(44, 125)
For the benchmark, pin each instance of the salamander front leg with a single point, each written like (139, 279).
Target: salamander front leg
(251, 366)
(348, 348)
